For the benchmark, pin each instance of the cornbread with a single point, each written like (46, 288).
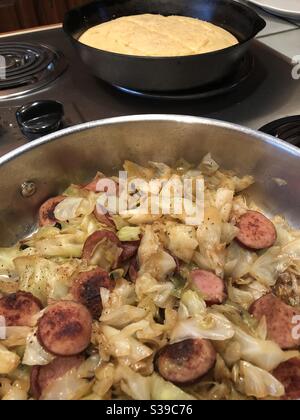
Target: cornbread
(158, 36)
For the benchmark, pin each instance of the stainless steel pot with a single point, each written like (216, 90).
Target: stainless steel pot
(74, 155)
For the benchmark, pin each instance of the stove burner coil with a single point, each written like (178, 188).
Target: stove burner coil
(287, 129)
(27, 67)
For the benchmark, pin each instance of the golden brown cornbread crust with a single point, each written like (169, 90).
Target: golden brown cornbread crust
(158, 36)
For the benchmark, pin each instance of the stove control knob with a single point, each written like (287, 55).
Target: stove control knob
(39, 118)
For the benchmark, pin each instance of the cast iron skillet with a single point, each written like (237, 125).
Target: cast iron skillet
(165, 73)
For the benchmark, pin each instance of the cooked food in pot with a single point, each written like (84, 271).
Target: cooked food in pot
(158, 36)
(130, 304)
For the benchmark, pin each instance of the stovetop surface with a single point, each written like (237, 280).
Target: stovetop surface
(269, 93)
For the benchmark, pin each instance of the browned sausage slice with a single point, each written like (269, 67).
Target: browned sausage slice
(186, 362)
(46, 212)
(86, 289)
(209, 285)
(93, 241)
(110, 186)
(279, 318)
(130, 249)
(127, 249)
(19, 308)
(43, 376)
(288, 373)
(35, 389)
(103, 218)
(256, 231)
(92, 186)
(65, 329)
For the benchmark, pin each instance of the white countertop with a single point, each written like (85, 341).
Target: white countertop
(279, 34)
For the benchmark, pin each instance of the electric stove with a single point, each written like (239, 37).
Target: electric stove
(43, 66)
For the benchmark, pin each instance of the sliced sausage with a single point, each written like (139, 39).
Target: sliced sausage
(109, 186)
(186, 362)
(209, 285)
(46, 212)
(35, 389)
(256, 231)
(43, 376)
(93, 241)
(65, 329)
(92, 186)
(103, 218)
(288, 373)
(130, 249)
(279, 317)
(19, 308)
(86, 289)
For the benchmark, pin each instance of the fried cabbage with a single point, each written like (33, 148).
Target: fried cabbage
(146, 296)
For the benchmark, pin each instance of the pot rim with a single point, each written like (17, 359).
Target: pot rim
(253, 134)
